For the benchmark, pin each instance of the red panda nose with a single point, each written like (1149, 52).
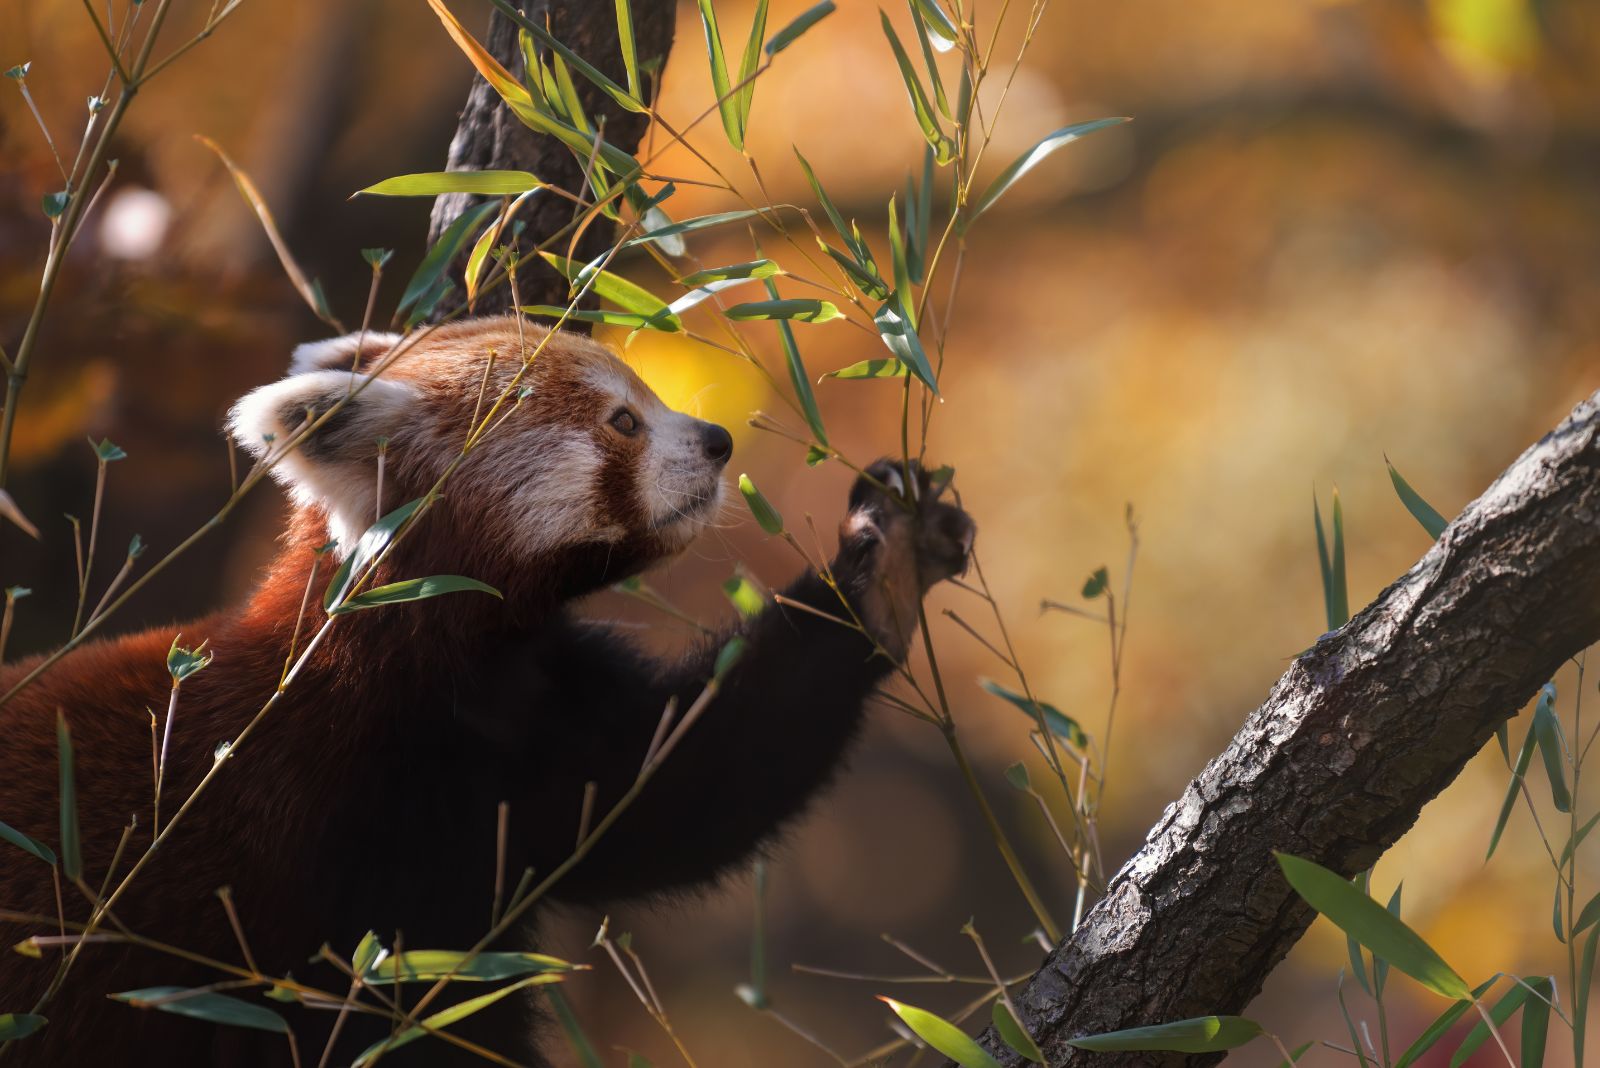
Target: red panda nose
(717, 442)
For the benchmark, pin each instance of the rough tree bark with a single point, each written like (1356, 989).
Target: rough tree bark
(1363, 730)
(489, 137)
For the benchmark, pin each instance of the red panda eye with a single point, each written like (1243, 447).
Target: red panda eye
(624, 422)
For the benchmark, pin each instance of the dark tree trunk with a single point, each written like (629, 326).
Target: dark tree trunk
(1363, 730)
(490, 137)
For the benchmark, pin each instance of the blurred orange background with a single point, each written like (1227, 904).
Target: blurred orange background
(1335, 231)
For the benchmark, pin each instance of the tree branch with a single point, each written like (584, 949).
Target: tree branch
(489, 137)
(1364, 729)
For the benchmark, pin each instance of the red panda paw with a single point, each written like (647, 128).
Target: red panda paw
(902, 539)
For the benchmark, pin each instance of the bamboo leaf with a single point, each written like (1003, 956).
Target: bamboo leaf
(882, 368)
(690, 225)
(806, 310)
(1371, 924)
(1500, 1012)
(1206, 1034)
(766, 515)
(727, 104)
(1439, 1028)
(618, 290)
(1548, 729)
(417, 589)
(1032, 158)
(1536, 1022)
(1012, 1033)
(942, 1035)
(574, 1031)
(1060, 724)
(943, 148)
(746, 599)
(437, 183)
(751, 269)
(1335, 595)
(902, 340)
(445, 1017)
(205, 1005)
(749, 63)
(902, 273)
(630, 51)
(940, 28)
(432, 965)
(22, 841)
(19, 1025)
(1421, 510)
(431, 270)
(1524, 758)
(798, 376)
(803, 22)
(626, 100)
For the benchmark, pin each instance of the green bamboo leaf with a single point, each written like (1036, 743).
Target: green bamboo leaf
(1380, 967)
(943, 148)
(1032, 158)
(828, 206)
(1335, 594)
(22, 841)
(902, 340)
(1587, 917)
(798, 376)
(1440, 1027)
(942, 1035)
(567, 93)
(19, 1025)
(803, 22)
(1536, 1022)
(1500, 1012)
(609, 318)
(1350, 1025)
(205, 1005)
(1524, 759)
(630, 52)
(1371, 924)
(902, 273)
(1295, 1055)
(884, 368)
(574, 1031)
(1060, 724)
(1012, 1033)
(805, 310)
(1017, 776)
(1358, 966)
(749, 63)
(417, 589)
(1548, 729)
(1580, 1025)
(1206, 1034)
(665, 233)
(766, 515)
(71, 851)
(1576, 840)
(627, 295)
(750, 269)
(486, 241)
(437, 183)
(369, 951)
(445, 1017)
(107, 450)
(1421, 510)
(927, 41)
(940, 28)
(1096, 584)
(430, 272)
(376, 539)
(919, 222)
(624, 99)
(862, 278)
(730, 654)
(432, 965)
(727, 104)
(747, 600)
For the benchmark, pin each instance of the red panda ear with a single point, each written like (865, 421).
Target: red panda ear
(339, 353)
(335, 466)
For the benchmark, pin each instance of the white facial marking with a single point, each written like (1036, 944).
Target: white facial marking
(340, 475)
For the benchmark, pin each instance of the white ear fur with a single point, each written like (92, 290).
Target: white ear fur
(336, 467)
(339, 351)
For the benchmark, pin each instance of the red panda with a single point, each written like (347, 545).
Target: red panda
(367, 799)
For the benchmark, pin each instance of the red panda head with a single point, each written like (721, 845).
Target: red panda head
(584, 478)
